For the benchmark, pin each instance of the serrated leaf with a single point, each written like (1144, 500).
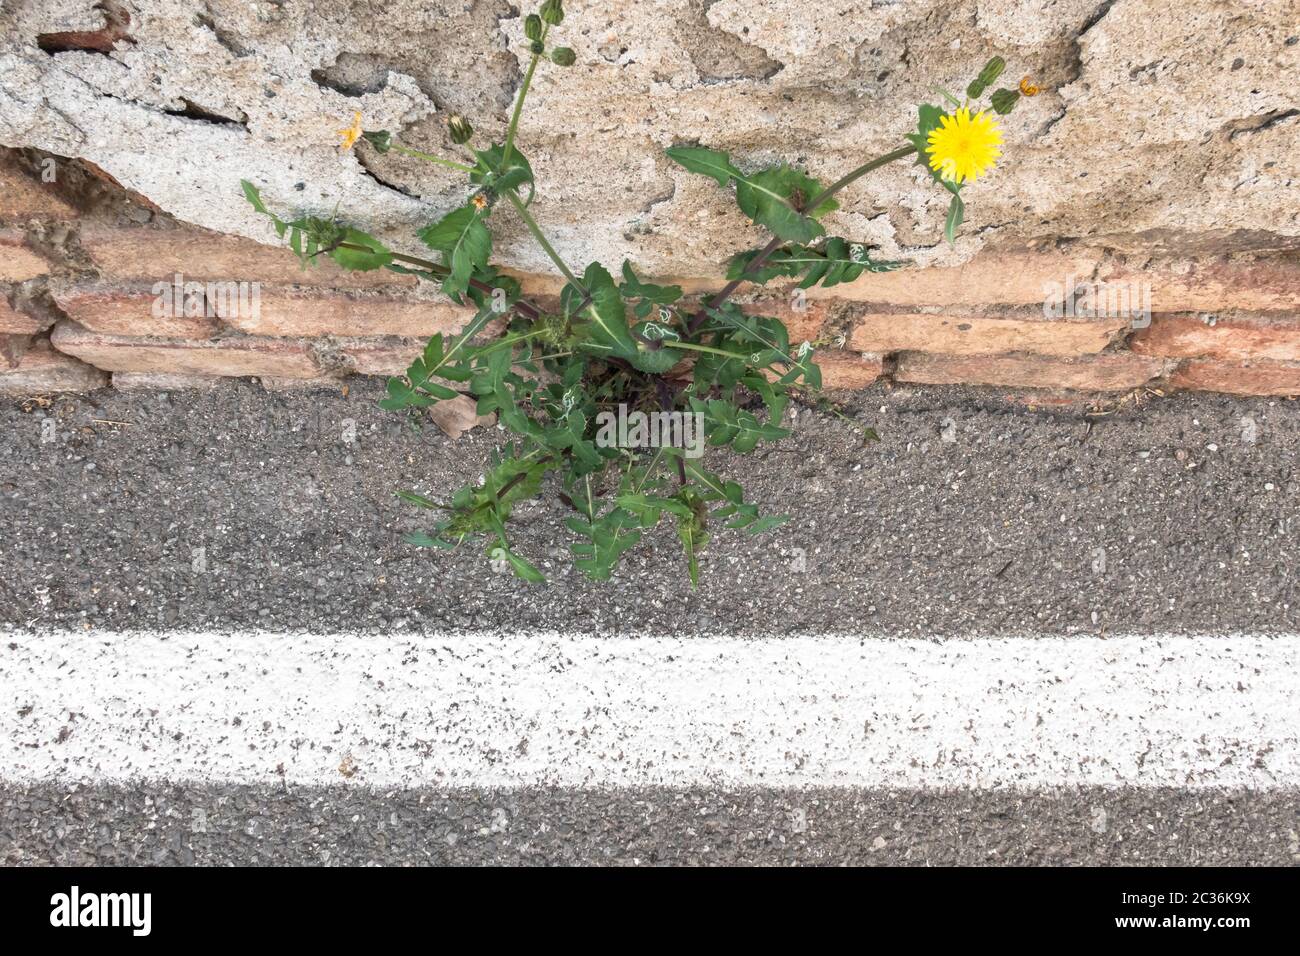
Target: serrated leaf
(465, 243)
(514, 173)
(633, 288)
(770, 197)
(607, 330)
(830, 262)
(440, 360)
(608, 538)
(725, 424)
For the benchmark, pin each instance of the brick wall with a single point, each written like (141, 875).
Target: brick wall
(80, 259)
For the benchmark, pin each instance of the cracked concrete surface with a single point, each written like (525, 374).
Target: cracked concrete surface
(1164, 128)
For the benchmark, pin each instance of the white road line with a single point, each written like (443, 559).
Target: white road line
(489, 710)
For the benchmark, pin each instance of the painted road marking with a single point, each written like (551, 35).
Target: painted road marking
(522, 709)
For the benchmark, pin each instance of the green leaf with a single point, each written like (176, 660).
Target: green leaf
(358, 261)
(830, 262)
(522, 568)
(634, 288)
(440, 360)
(419, 500)
(607, 331)
(768, 343)
(254, 197)
(691, 532)
(956, 212)
(725, 424)
(607, 538)
(713, 163)
(500, 177)
(773, 198)
(465, 243)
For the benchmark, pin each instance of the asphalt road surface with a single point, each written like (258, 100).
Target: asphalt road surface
(997, 635)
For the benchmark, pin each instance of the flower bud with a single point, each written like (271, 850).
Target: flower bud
(533, 26)
(538, 47)
(563, 56)
(992, 70)
(459, 129)
(553, 12)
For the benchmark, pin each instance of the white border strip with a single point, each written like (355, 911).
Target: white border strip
(505, 710)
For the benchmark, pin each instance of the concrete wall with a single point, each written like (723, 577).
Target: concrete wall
(1164, 147)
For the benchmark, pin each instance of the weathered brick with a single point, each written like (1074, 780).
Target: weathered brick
(1011, 278)
(804, 324)
(12, 348)
(23, 198)
(381, 356)
(1216, 286)
(131, 311)
(1096, 373)
(1239, 378)
(13, 322)
(1231, 338)
(157, 253)
(981, 334)
(18, 263)
(43, 370)
(227, 355)
(315, 312)
(848, 369)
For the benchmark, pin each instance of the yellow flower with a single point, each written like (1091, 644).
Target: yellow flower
(480, 202)
(352, 133)
(963, 147)
(1028, 88)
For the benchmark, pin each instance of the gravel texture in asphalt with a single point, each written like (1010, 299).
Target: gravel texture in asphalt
(164, 824)
(971, 515)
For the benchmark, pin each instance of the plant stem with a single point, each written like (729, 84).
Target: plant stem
(519, 103)
(524, 308)
(696, 347)
(429, 158)
(858, 173)
(547, 248)
(776, 242)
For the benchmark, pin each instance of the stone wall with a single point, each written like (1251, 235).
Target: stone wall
(1163, 153)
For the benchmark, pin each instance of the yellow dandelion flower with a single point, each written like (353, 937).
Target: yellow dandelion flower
(351, 134)
(964, 147)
